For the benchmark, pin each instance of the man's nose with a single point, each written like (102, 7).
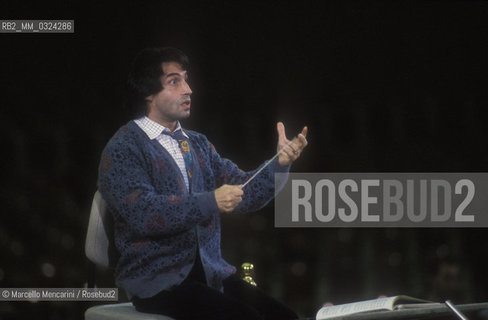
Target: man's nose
(186, 88)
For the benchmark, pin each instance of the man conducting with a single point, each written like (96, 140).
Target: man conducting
(166, 188)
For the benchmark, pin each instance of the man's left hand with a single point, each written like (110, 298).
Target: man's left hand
(292, 151)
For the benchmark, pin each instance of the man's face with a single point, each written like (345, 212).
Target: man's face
(173, 102)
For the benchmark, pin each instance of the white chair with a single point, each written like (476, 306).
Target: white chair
(100, 249)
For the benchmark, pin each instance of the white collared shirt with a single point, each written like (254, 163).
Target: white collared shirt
(155, 131)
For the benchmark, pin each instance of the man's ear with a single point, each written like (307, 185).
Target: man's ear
(149, 99)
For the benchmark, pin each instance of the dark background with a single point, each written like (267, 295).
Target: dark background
(383, 86)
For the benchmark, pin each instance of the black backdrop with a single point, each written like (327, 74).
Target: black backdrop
(383, 86)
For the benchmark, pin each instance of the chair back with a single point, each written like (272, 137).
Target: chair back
(99, 244)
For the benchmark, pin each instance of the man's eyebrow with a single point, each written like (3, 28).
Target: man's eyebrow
(183, 74)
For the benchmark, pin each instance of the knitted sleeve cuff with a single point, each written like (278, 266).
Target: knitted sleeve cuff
(207, 203)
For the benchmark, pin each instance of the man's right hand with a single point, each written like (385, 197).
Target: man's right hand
(228, 197)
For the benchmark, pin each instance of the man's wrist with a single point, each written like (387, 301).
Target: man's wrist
(278, 167)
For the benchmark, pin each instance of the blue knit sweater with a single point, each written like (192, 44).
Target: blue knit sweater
(158, 225)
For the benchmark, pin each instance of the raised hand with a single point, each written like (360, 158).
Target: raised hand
(292, 150)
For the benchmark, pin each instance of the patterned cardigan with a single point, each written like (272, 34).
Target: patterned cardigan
(158, 225)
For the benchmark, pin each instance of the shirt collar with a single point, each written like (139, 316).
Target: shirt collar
(154, 129)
